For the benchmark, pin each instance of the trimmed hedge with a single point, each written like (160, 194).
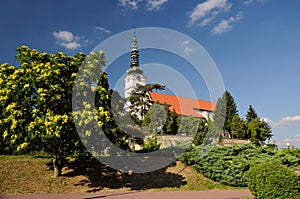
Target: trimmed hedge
(272, 180)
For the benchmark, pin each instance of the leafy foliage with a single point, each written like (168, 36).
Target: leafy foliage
(172, 122)
(238, 128)
(189, 125)
(201, 132)
(155, 118)
(36, 103)
(230, 164)
(151, 143)
(230, 125)
(273, 180)
(259, 130)
(140, 101)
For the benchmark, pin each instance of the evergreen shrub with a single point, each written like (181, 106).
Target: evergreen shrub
(271, 180)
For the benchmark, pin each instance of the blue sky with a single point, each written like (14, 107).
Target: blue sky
(254, 43)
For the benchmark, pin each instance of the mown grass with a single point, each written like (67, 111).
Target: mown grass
(28, 174)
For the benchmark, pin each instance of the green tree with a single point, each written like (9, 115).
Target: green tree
(37, 96)
(155, 118)
(172, 123)
(251, 114)
(140, 101)
(239, 128)
(201, 132)
(225, 111)
(94, 112)
(36, 102)
(259, 130)
(189, 125)
(267, 130)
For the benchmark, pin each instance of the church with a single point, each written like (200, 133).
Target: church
(181, 105)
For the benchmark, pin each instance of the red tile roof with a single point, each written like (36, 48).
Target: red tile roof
(183, 106)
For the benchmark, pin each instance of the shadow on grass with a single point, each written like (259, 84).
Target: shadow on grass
(100, 176)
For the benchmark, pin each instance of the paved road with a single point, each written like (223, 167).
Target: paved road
(212, 194)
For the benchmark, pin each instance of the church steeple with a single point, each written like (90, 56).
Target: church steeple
(134, 75)
(134, 56)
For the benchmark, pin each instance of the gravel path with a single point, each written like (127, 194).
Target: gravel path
(211, 194)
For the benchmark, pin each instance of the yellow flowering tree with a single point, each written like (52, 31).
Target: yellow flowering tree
(92, 108)
(36, 104)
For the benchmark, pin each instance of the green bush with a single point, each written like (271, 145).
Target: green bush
(190, 156)
(230, 164)
(151, 143)
(272, 180)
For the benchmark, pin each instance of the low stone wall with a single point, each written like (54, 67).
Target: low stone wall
(228, 142)
(172, 140)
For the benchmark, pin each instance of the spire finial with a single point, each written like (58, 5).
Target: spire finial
(134, 32)
(134, 41)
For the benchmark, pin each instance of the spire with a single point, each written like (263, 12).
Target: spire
(134, 56)
(134, 42)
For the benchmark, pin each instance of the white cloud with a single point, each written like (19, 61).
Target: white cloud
(131, 4)
(208, 10)
(268, 120)
(67, 39)
(289, 120)
(297, 136)
(223, 26)
(103, 29)
(209, 19)
(285, 121)
(65, 36)
(186, 47)
(70, 45)
(206, 21)
(155, 4)
(226, 25)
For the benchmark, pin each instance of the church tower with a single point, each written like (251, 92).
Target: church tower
(134, 75)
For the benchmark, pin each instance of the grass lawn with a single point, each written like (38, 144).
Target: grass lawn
(28, 174)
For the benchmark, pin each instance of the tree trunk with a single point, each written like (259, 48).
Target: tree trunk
(57, 161)
(56, 166)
